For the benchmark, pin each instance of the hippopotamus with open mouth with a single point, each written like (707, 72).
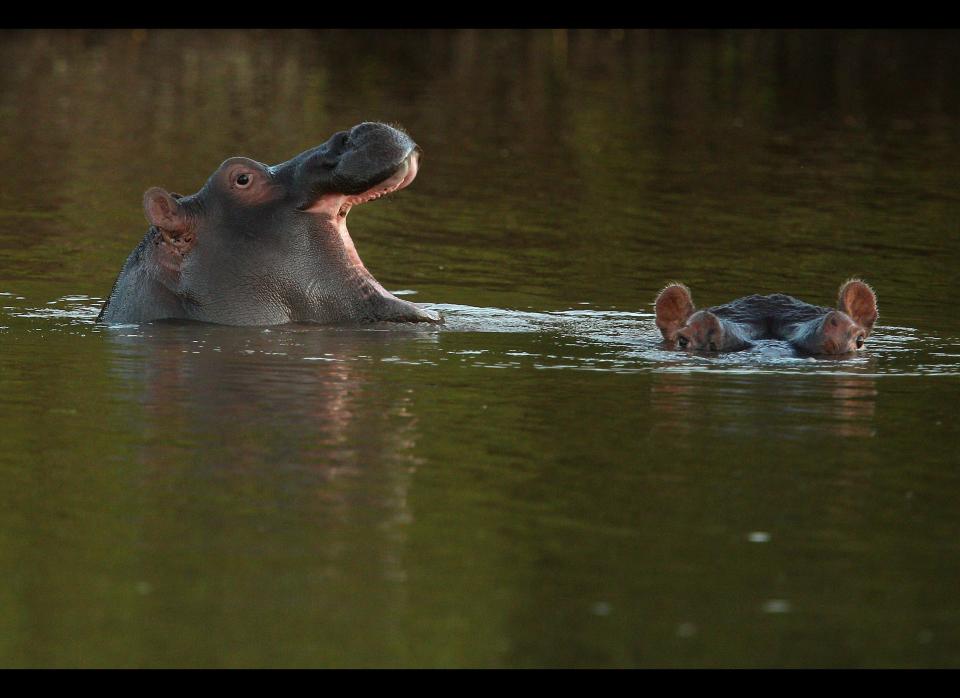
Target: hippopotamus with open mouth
(266, 245)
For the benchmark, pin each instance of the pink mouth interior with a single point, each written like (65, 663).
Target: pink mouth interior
(337, 206)
(340, 204)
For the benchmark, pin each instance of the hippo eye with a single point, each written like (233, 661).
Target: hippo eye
(682, 341)
(859, 341)
(243, 179)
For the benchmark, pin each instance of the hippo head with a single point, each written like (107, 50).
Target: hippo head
(264, 245)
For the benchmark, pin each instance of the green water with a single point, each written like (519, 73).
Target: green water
(538, 483)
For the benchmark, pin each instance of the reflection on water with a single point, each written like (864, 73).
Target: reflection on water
(538, 482)
(844, 406)
(326, 431)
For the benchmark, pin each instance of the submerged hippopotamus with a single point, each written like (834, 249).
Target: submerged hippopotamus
(266, 245)
(811, 329)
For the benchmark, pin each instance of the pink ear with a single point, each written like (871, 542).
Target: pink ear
(673, 306)
(163, 211)
(858, 300)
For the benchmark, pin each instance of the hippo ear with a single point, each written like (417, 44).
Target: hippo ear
(163, 211)
(858, 301)
(673, 306)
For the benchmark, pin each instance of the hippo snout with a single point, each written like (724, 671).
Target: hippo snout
(349, 162)
(392, 141)
(372, 152)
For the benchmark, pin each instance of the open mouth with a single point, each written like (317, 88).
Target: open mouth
(338, 248)
(340, 204)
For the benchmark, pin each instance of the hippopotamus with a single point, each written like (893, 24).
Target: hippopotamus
(811, 329)
(267, 245)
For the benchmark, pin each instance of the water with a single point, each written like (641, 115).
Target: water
(538, 482)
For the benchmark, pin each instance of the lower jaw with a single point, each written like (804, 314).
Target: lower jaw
(370, 301)
(349, 249)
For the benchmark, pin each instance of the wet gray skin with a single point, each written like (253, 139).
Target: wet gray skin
(267, 245)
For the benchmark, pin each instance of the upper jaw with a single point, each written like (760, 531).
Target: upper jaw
(337, 204)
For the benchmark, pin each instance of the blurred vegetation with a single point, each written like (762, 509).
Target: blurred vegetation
(560, 166)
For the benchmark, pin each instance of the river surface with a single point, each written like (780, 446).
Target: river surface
(538, 482)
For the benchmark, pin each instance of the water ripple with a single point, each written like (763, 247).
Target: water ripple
(577, 339)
